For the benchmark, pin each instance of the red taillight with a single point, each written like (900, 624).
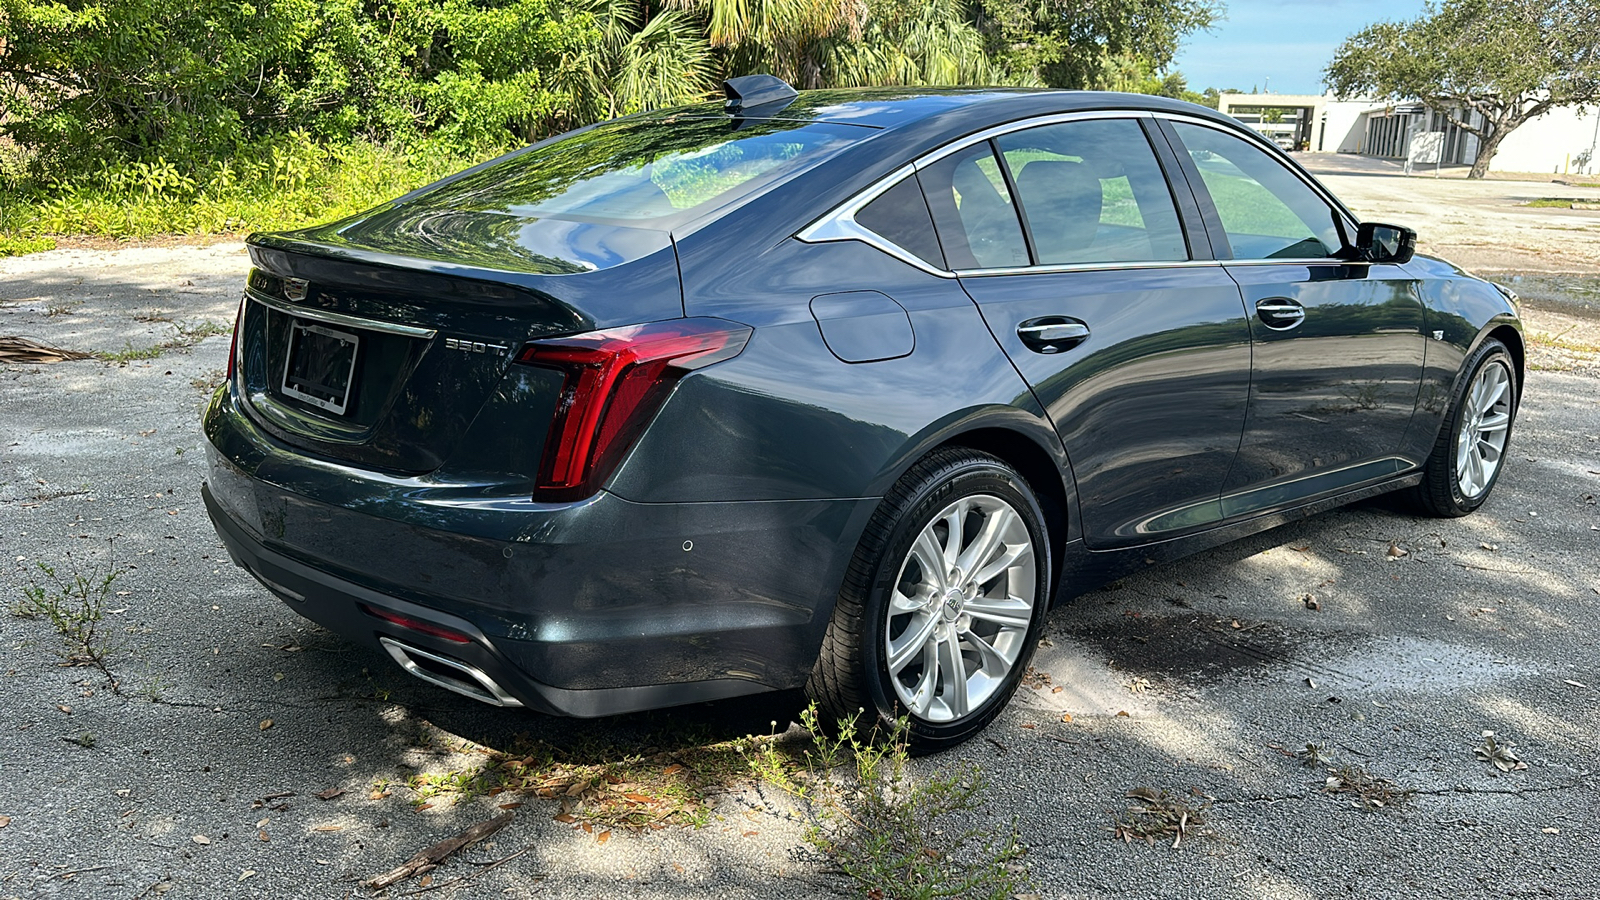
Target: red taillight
(233, 342)
(616, 380)
(416, 625)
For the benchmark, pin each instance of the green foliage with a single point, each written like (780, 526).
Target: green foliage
(18, 245)
(289, 184)
(895, 834)
(74, 603)
(88, 82)
(1138, 76)
(1509, 60)
(128, 118)
(1091, 44)
(853, 43)
(181, 84)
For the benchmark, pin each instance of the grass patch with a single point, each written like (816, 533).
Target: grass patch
(1560, 341)
(1552, 203)
(289, 185)
(74, 602)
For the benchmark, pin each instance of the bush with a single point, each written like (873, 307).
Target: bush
(286, 184)
(91, 85)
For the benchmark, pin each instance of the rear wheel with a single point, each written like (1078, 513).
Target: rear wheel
(1467, 457)
(942, 605)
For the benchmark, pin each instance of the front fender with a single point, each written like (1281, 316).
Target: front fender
(1462, 312)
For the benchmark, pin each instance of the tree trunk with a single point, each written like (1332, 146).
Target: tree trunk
(1486, 151)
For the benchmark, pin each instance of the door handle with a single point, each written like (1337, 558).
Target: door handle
(1052, 334)
(1280, 313)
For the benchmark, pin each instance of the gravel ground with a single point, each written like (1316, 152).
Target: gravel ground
(1202, 677)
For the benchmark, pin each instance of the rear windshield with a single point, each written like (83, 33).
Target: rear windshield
(648, 173)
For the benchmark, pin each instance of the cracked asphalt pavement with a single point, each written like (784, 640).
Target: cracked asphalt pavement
(1390, 642)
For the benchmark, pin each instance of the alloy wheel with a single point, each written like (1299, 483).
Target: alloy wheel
(1485, 421)
(959, 615)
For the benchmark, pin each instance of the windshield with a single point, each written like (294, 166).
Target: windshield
(647, 172)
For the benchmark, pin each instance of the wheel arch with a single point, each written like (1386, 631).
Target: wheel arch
(1508, 334)
(1027, 443)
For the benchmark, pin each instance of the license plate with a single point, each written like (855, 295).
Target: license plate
(321, 366)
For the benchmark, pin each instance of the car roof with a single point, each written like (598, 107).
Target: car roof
(894, 107)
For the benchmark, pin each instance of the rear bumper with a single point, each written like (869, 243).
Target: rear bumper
(586, 609)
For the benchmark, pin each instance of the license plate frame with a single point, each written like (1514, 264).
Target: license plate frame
(319, 366)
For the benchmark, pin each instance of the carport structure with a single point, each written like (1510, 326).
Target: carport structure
(1292, 121)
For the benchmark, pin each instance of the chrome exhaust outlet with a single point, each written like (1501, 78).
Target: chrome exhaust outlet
(448, 673)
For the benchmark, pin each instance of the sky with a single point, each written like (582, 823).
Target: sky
(1280, 46)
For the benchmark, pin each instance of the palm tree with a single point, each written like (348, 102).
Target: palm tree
(640, 61)
(918, 42)
(848, 43)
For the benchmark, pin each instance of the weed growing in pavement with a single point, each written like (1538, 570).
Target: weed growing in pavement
(896, 835)
(155, 690)
(86, 740)
(1312, 756)
(74, 603)
(1160, 813)
(129, 353)
(188, 334)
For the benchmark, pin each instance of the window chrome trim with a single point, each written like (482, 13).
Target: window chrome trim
(333, 318)
(1154, 264)
(1001, 130)
(839, 224)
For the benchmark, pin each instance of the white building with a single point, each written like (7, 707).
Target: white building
(1562, 141)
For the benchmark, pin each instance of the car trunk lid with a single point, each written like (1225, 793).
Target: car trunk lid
(384, 361)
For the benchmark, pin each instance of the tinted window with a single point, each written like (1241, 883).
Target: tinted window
(1093, 192)
(637, 171)
(1266, 211)
(972, 210)
(900, 215)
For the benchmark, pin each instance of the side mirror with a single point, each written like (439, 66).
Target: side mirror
(1377, 243)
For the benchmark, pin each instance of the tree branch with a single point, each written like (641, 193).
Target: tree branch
(433, 856)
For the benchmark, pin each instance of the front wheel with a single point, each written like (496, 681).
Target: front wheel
(1470, 452)
(942, 605)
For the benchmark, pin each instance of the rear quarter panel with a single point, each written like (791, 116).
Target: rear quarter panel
(787, 419)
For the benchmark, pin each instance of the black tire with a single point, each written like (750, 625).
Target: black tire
(1442, 493)
(852, 673)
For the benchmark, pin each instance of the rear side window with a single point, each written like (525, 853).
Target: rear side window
(1092, 192)
(648, 172)
(901, 216)
(1265, 210)
(977, 224)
